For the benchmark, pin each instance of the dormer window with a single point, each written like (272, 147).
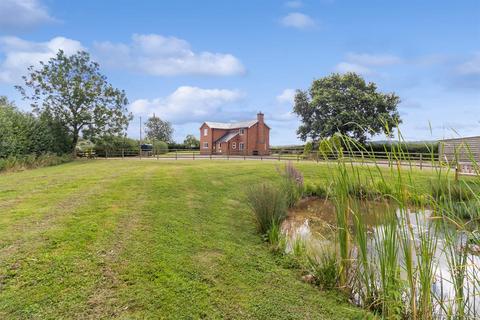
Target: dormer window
(242, 131)
(205, 131)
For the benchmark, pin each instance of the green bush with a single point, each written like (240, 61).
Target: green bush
(31, 161)
(160, 147)
(114, 145)
(22, 134)
(314, 190)
(268, 205)
(324, 266)
(307, 150)
(452, 191)
(406, 147)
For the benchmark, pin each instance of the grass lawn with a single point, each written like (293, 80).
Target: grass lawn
(147, 239)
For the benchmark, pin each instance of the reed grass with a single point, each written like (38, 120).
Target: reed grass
(394, 271)
(267, 202)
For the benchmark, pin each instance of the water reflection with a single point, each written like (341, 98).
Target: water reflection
(314, 221)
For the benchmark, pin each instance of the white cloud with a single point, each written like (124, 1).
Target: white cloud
(294, 4)
(20, 54)
(362, 63)
(189, 104)
(344, 67)
(286, 116)
(287, 96)
(470, 67)
(373, 59)
(157, 55)
(22, 14)
(298, 20)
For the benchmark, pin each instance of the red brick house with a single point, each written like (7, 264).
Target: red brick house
(236, 138)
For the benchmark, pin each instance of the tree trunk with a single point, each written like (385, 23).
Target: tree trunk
(74, 143)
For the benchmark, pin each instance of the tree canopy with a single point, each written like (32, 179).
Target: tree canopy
(158, 129)
(74, 92)
(346, 104)
(191, 141)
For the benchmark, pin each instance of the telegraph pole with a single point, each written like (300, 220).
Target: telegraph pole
(140, 146)
(153, 139)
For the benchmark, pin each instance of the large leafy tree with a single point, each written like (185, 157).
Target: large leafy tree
(74, 92)
(346, 104)
(191, 141)
(158, 129)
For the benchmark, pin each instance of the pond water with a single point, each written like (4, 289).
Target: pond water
(314, 222)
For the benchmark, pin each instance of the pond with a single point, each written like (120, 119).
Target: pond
(313, 221)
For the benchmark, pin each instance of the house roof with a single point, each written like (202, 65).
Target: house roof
(231, 125)
(227, 137)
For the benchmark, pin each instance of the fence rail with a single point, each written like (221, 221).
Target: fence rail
(420, 160)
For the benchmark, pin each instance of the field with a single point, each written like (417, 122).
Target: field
(147, 239)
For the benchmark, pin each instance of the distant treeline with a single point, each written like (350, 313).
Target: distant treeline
(409, 147)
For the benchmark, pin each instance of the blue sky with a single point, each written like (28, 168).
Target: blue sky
(191, 61)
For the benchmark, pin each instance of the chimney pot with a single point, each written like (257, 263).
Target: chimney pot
(260, 116)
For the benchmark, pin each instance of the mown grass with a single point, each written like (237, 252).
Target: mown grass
(148, 239)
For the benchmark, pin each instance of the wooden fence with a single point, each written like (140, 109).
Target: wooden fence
(419, 160)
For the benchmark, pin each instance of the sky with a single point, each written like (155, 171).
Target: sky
(195, 61)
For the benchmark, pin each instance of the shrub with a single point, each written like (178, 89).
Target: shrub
(160, 147)
(363, 191)
(446, 190)
(268, 205)
(307, 150)
(32, 161)
(314, 190)
(384, 189)
(324, 266)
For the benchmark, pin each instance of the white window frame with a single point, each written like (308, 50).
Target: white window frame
(205, 132)
(241, 131)
(205, 145)
(234, 145)
(241, 146)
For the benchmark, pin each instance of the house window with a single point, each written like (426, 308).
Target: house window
(234, 145)
(241, 146)
(205, 145)
(205, 131)
(242, 131)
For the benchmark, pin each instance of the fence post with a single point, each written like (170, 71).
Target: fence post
(176, 156)
(279, 152)
(421, 161)
(193, 155)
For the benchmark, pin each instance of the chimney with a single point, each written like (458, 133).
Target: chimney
(260, 117)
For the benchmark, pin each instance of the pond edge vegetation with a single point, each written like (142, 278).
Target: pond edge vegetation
(375, 283)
